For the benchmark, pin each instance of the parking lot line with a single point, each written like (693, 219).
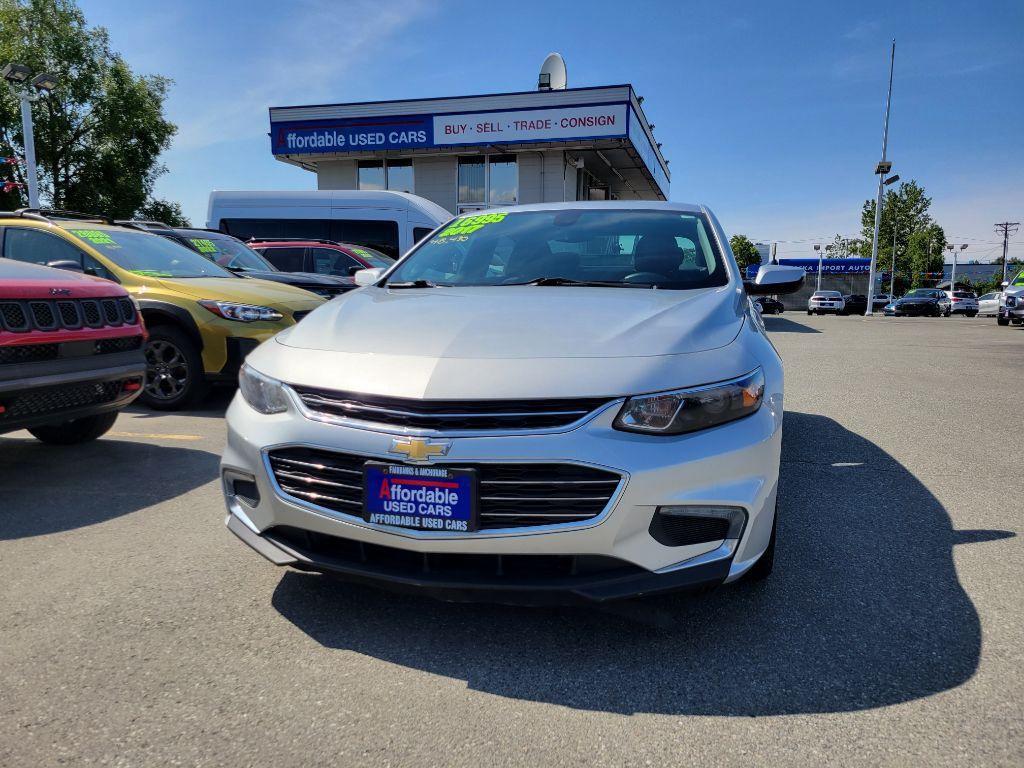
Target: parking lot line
(154, 436)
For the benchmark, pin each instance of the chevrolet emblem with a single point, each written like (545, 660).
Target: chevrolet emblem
(418, 449)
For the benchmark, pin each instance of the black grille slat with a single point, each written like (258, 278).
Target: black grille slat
(13, 316)
(46, 400)
(127, 310)
(111, 312)
(510, 495)
(69, 314)
(29, 353)
(91, 313)
(43, 315)
(450, 415)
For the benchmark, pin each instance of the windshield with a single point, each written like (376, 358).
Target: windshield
(922, 293)
(371, 257)
(605, 247)
(828, 294)
(1018, 280)
(229, 253)
(149, 255)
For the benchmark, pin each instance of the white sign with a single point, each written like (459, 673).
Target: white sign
(531, 125)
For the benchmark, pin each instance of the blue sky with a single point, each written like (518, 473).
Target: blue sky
(771, 113)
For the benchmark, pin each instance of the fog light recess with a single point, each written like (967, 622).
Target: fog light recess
(680, 526)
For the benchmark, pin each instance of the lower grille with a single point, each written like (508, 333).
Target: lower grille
(449, 415)
(34, 353)
(682, 530)
(511, 495)
(40, 402)
(29, 353)
(122, 344)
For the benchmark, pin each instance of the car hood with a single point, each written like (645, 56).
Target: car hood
(917, 300)
(298, 278)
(246, 291)
(522, 322)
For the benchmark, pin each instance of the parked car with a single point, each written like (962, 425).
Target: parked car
(962, 303)
(988, 305)
(923, 301)
(889, 310)
(1011, 303)
(769, 305)
(824, 302)
(389, 222)
(855, 304)
(235, 256)
(202, 320)
(70, 353)
(321, 257)
(879, 300)
(355, 442)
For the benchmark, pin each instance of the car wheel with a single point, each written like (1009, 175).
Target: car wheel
(75, 431)
(762, 569)
(972, 314)
(174, 370)
(1003, 320)
(809, 312)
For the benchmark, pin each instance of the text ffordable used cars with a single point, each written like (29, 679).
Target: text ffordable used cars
(548, 402)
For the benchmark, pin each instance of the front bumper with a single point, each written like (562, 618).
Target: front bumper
(732, 465)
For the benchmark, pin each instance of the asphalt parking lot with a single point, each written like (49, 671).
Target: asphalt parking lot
(136, 630)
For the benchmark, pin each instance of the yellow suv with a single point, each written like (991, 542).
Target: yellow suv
(202, 320)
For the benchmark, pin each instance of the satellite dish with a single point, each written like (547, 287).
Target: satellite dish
(552, 74)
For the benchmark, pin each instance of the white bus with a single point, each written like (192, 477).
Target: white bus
(390, 222)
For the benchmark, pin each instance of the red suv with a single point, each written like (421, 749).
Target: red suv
(325, 257)
(70, 353)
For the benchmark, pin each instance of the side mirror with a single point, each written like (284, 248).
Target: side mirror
(775, 278)
(1005, 283)
(368, 276)
(352, 270)
(66, 264)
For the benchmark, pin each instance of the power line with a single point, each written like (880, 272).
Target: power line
(1008, 228)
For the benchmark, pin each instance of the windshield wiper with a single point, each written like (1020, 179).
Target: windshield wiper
(412, 284)
(584, 283)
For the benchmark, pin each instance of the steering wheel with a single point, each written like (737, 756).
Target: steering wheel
(644, 277)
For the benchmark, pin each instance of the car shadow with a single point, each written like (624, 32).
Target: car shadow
(47, 488)
(864, 610)
(212, 406)
(777, 324)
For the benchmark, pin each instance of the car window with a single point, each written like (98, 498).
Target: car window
(227, 252)
(380, 234)
(147, 254)
(330, 261)
(418, 233)
(287, 259)
(36, 247)
(642, 248)
(372, 257)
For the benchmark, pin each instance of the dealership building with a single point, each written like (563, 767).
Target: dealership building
(468, 153)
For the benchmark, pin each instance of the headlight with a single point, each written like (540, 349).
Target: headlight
(263, 393)
(687, 410)
(243, 313)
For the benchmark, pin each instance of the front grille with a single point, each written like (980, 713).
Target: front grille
(29, 353)
(510, 495)
(483, 570)
(449, 415)
(46, 400)
(67, 314)
(122, 344)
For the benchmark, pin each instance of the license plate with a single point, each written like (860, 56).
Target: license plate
(427, 498)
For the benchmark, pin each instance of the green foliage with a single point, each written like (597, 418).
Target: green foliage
(744, 251)
(165, 211)
(920, 242)
(100, 133)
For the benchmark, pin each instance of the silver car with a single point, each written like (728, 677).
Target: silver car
(542, 403)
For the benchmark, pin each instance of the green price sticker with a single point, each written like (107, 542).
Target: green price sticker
(204, 245)
(364, 253)
(94, 236)
(150, 273)
(471, 224)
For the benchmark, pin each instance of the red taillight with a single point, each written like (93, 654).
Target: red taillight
(132, 386)
(3, 409)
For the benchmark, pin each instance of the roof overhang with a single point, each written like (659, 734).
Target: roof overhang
(607, 121)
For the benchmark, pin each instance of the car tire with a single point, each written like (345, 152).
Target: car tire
(1003, 320)
(972, 314)
(762, 569)
(174, 370)
(809, 312)
(75, 431)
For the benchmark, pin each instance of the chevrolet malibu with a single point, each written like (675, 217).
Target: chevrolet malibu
(536, 404)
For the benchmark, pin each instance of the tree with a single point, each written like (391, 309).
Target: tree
(100, 133)
(919, 240)
(165, 211)
(746, 252)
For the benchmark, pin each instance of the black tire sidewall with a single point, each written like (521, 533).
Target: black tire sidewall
(76, 431)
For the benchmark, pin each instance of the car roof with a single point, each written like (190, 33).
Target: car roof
(608, 205)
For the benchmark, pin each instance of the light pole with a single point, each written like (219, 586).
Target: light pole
(17, 77)
(818, 249)
(892, 274)
(952, 280)
(883, 167)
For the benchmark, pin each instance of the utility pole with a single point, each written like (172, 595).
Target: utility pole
(818, 249)
(883, 167)
(1008, 228)
(892, 274)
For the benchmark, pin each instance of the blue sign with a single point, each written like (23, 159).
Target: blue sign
(352, 135)
(828, 266)
(429, 498)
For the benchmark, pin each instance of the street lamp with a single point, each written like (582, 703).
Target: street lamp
(892, 274)
(16, 76)
(883, 167)
(952, 281)
(818, 249)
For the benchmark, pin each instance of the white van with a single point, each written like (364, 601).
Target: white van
(390, 222)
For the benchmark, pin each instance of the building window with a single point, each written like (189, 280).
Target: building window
(395, 175)
(399, 175)
(487, 180)
(371, 174)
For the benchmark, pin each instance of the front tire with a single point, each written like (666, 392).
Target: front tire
(972, 314)
(1003, 320)
(76, 431)
(174, 370)
(762, 569)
